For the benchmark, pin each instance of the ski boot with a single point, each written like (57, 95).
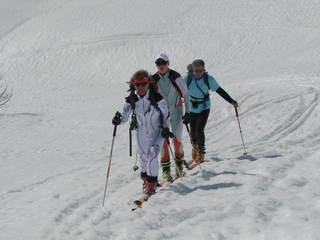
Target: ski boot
(200, 157)
(194, 152)
(144, 178)
(150, 189)
(179, 167)
(144, 185)
(166, 172)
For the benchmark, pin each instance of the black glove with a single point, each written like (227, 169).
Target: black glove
(166, 133)
(186, 118)
(116, 119)
(234, 103)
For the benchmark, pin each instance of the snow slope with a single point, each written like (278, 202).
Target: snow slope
(68, 61)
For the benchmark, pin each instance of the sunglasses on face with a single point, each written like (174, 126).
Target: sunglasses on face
(198, 71)
(159, 63)
(139, 84)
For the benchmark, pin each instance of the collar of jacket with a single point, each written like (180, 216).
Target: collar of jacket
(146, 95)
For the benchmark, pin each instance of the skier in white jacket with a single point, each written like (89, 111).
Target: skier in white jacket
(151, 120)
(172, 88)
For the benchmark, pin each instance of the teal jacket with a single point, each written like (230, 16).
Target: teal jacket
(198, 102)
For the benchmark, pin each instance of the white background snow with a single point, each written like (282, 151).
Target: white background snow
(68, 62)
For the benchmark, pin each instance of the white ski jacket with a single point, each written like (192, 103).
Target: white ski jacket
(148, 117)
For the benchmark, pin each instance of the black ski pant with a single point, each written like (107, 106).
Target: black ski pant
(198, 122)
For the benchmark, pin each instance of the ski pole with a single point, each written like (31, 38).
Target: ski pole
(188, 130)
(174, 158)
(108, 171)
(130, 142)
(245, 152)
(132, 127)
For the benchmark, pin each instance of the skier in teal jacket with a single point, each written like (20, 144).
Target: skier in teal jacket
(199, 83)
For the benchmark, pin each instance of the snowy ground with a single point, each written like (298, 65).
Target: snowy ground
(68, 62)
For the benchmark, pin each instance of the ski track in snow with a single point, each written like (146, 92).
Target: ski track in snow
(55, 146)
(75, 218)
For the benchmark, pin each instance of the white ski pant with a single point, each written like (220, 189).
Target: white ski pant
(149, 146)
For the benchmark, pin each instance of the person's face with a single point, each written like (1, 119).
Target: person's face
(198, 71)
(162, 65)
(141, 87)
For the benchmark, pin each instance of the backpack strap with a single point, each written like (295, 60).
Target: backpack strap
(132, 98)
(156, 77)
(205, 78)
(154, 98)
(173, 75)
(190, 77)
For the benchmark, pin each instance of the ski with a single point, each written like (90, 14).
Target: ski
(139, 202)
(143, 199)
(192, 166)
(193, 163)
(189, 162)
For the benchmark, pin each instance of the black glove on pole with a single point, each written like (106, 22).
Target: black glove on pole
(166, 133)
(116, 119)
(118, 115)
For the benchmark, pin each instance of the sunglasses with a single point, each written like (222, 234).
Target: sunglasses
(159, 63)
(198, 71)
(139, 84)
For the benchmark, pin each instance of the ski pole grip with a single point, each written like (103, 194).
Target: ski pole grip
(236, 112)
(115, 126)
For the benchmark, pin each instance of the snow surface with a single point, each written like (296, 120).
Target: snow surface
(68, 61)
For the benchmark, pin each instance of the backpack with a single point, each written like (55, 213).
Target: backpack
(206, 96)
(173, 75)
(205, 78)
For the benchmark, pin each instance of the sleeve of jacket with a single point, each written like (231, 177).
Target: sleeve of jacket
(125, 113)
(224, 95)
(165, 113)
(185, 93)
